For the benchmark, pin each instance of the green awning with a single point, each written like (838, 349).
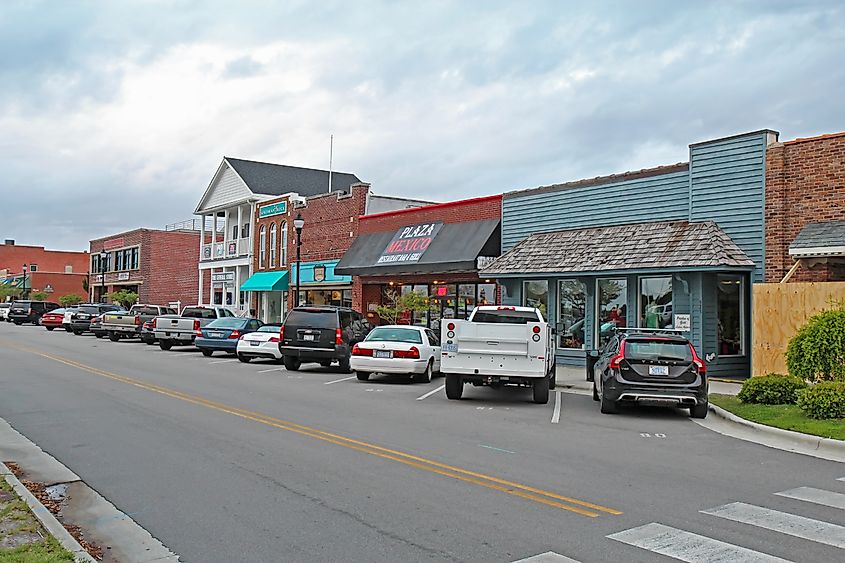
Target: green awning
(266, 281)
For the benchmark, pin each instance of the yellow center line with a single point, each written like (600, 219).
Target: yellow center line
(509, 487)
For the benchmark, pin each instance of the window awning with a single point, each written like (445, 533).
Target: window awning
(818, 240)
(266, 281)
(658, 245)
(453, 247)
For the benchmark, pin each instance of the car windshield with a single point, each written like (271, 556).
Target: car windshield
(315, 318)
(506, 316)
(390, 334)
(228, 322)
(269, 328)
(92, 310)
(145, 310)
(658, 350)
(23, 304)
(198, 313)
(57, 312)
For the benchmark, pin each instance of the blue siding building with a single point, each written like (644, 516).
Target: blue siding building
(672, 246)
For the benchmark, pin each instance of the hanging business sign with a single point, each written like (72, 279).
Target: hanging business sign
(273, 209)
(483, 261)
(409, 244)
(319, 273)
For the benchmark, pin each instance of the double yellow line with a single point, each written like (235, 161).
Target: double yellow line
(548, 498)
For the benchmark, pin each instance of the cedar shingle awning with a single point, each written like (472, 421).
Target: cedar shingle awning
(660, 245)
(818, 240)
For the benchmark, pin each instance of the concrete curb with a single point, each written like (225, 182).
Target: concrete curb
(53, 526)
(807, 440)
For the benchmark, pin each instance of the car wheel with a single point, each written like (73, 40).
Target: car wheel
(608, 406)
(343, 365)
(114, 337)
(98, 335)
(595, 392)
(541, 391)
(37, 322)
(50, 328)
(18, 323)
(362, 375)
(291, 363)
(699, 411)
(77, 332)
(326, 364)
(244, 359)
(165, 345)
(207, 353)
(454, 386)
(425, 377)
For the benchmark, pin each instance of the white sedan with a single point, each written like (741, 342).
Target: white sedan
(262, 343)
(397, 349)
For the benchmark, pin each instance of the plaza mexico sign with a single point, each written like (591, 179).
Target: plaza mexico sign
(409, 243)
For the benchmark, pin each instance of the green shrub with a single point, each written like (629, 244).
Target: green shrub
(824, 400)
(817, 351)
(772, 389)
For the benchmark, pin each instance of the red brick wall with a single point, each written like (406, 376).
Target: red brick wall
(805, 183)
(62, 284)
(13, 257)
(477, 209)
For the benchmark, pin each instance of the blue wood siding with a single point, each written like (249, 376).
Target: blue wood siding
(727, 185)
(655, 198)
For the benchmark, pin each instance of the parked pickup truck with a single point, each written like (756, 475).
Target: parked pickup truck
(498, 346)
(128, 325)
(173, 330)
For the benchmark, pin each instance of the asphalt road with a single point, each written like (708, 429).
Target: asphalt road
(224, 461)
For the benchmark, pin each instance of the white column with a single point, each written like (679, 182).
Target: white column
(202, 234)
(211, 286)
(227, 232)
(236, 297)
(199, 292)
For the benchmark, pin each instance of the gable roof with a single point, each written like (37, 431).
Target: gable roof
(819, 239)
(669, 244)
(276, 179)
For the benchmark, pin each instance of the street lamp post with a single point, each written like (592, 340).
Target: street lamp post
(103, 256)
(23, 284)
(298, 223)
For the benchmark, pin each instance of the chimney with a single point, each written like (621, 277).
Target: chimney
(10, 242)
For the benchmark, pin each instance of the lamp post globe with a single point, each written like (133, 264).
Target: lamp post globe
(298, 224)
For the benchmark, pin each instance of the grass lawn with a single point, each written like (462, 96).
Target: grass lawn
(22, 539)
(788, 417)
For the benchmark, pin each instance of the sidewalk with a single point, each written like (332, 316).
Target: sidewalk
(573, 380)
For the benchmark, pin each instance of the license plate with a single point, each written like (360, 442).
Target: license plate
(450, 348)
(382, 354)
(658, 370)
(254, 343)
(215, 334)
(309, 337)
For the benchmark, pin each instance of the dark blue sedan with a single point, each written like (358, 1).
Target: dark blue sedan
(223, 334)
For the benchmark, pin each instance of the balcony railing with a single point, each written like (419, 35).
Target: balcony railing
(226, 250)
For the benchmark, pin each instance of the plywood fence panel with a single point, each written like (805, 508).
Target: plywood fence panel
(779, 310)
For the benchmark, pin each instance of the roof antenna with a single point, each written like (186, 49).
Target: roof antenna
(331, 150)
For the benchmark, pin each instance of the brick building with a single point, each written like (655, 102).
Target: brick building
(56, 272)
(331, 222)
(159, 265)
(435, 250)
(805, 209)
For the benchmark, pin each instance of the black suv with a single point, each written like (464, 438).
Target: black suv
(30, 311)
(648, 367)
(321, 334)
(80, 320)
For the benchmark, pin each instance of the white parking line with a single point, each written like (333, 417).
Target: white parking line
(817, 496)
(783, 522)
(430, 393)
(222, 362)
(556, 414)
(271, 369)
(548, 557)
(841, 479)
(339, 380)
(687, 546)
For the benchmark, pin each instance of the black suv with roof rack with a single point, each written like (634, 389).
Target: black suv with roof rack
(648, 367)
(80, 320)
(28, 311)
(321, 334)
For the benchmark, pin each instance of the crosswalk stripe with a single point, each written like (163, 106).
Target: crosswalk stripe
(817, 496)
(841, 479)
(548, 557)
(783, 522)
(686, 546)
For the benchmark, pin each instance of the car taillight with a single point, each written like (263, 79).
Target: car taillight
(282, 333)
(358, 351)
(536, 330)
(137, 320)
(147, 325)
(29, 311)
(235, 334)
(338, 336)
(412, 354)
(616, 361)
(700, 366)
(197, 330)
(273, 339)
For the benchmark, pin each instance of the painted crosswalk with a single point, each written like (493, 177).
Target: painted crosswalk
(817, 496)
(782, 522)
(686, 546)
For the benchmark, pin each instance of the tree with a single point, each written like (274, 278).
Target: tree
(40, 296)
(6, 292)
(817, 351)
(70, 299)
(124, 298)
(399, 304)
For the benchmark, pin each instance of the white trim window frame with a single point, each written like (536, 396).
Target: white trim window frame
(262, 246)
(640, 279)
(283, 251)
(273, 245)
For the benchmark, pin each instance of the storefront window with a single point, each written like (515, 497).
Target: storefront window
(262, 246)
(730, 301)
(536, 294)
(466, 299)
(612, 298)
(273, 245)
(486, 294)
(336, 297)
(444, 298)
(572, 301)
(283, 255)
(656, 302)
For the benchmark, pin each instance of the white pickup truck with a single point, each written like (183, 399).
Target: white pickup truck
(497, 346)
(172, 330)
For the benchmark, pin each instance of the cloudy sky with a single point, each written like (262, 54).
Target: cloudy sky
(115, 114)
